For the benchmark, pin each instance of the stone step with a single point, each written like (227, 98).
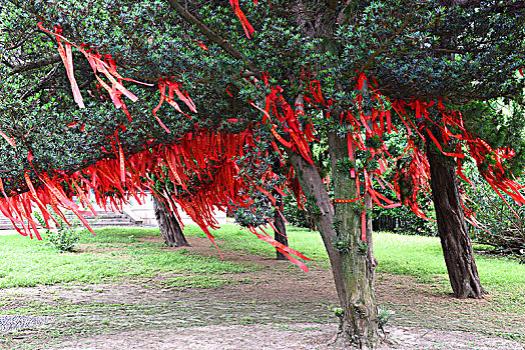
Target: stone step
(101, 220)
(99, 215)
(111, 222)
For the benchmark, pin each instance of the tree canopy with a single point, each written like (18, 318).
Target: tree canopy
(462, 53)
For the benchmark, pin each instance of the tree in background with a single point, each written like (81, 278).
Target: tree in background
(267, 200)
(343, 72)
(500, 220)
(170, 223)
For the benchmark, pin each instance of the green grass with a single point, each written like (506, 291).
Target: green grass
(29, 262)
(118, 235)
(118, 253)
(420, 257)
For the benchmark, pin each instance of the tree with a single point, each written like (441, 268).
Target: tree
(166, 212)
(452, 228)
(333, 71)
(266, 207)
(169, 226)
(280, 227)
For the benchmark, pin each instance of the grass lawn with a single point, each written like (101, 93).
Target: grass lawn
(113, 253)
(117, 253)
(416, 256)
(125, 279)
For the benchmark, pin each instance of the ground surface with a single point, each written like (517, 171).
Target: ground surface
(251, 302)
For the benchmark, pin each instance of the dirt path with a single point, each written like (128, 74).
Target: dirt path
(280, 337)
(275, 307)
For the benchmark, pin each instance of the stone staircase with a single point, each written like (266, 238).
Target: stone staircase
(108, 218)
(101, 220)
(5, 224)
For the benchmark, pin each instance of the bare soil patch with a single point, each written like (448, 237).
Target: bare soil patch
(280, 337)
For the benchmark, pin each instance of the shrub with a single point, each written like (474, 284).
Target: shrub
(402, 220)
(502, 225)
(64, 237)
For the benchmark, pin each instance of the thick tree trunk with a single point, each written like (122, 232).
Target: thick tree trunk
(169, 226)
(280, 234)
(452, 228)
(351, 259)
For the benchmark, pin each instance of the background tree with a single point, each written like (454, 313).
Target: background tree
(267, 200)
(169, 221)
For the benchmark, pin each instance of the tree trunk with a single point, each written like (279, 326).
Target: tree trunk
(280, 234)
(452, 228)
(278, 217)
(169, 226)
(351, 259)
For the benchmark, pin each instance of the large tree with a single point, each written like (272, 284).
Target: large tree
(289, 75)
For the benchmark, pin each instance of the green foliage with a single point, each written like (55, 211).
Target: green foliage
(501, 223)
(342, 245)
(295, 216)
(362, 247)
(500, 123)
(373, 142)
(258, 213)
(433, 52)
(403, 221)
(63, 237)
(338, 312)
(384, 316)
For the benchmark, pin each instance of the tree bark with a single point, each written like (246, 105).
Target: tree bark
(169, 226)
(280, 235)
(452, 228)
(279, 221)
(351, 259)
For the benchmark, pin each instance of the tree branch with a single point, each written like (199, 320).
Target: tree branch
(20, 42)
(212, 35)
(36, 64)
(7, 63)
(41, 84)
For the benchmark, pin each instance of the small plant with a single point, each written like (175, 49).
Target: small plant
(362, 247)
(338, 311)
(383, 316)
(342, 245)
(63, 237)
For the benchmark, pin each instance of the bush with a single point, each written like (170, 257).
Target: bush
(296, 216)
(403, 221)
(63, 238)
(502, 225)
